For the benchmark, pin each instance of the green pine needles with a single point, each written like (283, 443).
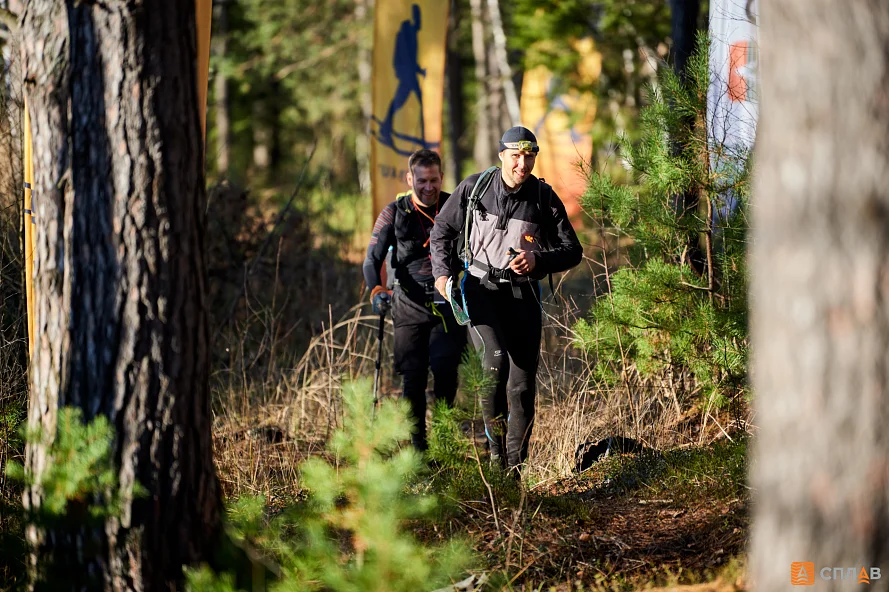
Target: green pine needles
(681, 302)
(349, 535)
(79, 490)
(80, 470)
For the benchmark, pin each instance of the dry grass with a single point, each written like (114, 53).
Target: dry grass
(13, 347)
(268, 421)
(264, 427)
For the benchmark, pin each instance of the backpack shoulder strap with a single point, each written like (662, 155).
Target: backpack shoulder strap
(478, 190)
(401, 201)
(545, 203)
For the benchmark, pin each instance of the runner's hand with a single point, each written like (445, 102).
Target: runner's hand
(441, 285)
(381, 300)
(524, 263)
(382, 303)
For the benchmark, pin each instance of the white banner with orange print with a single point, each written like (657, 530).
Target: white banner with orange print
(732, 100)
(408, 89)
(733, 103)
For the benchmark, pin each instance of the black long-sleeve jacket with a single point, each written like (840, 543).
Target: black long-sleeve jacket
(401, 226)
(506, 218)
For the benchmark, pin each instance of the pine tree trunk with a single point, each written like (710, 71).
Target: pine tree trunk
(503, 70)
(363, 16)
(267, 150)
(223, 122)
(482, 150)
(276, 148)
(122, 329)
(820, 291)
(495, 109)
(500, 120)
(262, 135)
(684, 26)
(456, 114)
(684, 21)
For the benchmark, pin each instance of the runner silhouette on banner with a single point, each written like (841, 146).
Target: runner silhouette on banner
(405, 61)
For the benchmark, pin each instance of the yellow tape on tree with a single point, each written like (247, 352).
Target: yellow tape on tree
(29, 243)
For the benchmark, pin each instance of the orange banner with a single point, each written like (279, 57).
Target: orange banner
(408, 89)
(563, 125)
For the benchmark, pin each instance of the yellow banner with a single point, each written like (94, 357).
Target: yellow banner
(563, 125)
(408, 89)
(203, 14)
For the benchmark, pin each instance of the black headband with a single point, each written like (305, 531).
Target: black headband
(523, 145)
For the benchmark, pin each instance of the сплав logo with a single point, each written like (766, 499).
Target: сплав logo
(802, 573)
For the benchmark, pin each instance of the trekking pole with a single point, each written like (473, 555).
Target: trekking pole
(379, 359)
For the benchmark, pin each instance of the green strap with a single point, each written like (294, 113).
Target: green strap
(437, 313)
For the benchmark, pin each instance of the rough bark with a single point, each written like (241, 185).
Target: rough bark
(119, 276)
(820, 291)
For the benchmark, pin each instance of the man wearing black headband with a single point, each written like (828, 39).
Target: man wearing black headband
(426, 334)
(518, 233)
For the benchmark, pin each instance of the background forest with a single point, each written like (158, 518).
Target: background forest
(646, 340)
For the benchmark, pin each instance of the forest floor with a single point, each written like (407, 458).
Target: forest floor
(630, 522)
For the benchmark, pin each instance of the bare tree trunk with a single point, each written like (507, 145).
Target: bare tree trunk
(456, 114)
(499, 117)
(820, 292)
(495, 111)
(273, 121)
(223, 123)
(262, 137)
(119, 203)
(684, 26)
(266, 131)
(502, 61)
(482, 150)
(363, 10)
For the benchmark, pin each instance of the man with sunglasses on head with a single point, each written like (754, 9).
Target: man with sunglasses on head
(426, 334)
(508, 230)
